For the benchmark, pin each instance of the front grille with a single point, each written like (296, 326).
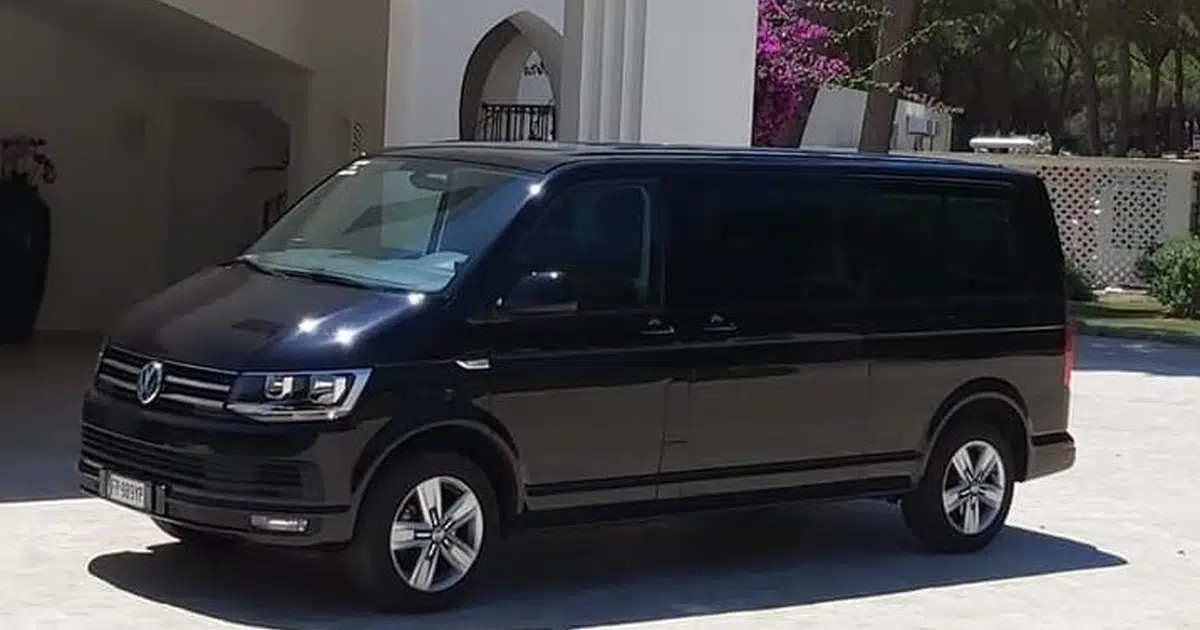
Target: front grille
(216, 474)
(186, 389)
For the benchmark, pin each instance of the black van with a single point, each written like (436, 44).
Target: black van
(442, 342)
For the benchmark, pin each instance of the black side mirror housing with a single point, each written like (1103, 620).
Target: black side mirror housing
(541, 293)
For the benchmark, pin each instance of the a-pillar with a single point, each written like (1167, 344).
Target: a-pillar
(677, 71)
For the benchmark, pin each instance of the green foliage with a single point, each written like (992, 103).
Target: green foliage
(1057, 67)
(1079, 284)
(1173, 272)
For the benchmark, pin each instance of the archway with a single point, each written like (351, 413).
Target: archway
(515, 72)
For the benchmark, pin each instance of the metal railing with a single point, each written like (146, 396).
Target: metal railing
(516, 123)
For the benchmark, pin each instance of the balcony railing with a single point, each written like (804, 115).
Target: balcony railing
(516, 123)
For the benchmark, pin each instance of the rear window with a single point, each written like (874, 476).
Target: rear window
(958, 240)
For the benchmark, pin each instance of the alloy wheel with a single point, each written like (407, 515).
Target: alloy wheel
(973, 487)
(437, 534)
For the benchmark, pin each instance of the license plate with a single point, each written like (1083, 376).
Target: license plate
(128, 492)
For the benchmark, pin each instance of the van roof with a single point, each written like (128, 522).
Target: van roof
(543, 157)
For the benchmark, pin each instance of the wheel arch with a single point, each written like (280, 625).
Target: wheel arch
(993, 400)
(490, 447)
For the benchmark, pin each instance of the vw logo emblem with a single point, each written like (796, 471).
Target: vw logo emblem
(149, 382)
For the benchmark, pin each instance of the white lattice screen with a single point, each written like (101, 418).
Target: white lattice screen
(1110, 211)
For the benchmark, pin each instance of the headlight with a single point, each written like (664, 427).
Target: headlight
(297, 396)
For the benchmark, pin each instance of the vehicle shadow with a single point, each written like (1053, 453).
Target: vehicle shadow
(599, 576)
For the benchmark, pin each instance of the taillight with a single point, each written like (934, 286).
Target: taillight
(1069, 354)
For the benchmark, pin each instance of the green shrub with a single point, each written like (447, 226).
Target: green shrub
(1173, 274)
(1079, 285)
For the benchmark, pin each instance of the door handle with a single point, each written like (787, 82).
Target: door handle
(658, 328)
(474, 365)
(718, 324)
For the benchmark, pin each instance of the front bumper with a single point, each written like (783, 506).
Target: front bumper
(233, 478)
(1051, 453)
(247, 520)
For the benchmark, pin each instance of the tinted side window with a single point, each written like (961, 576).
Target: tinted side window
(981, 248)
(943, 241)
(903, 239)
(602, 235)
(756, 239)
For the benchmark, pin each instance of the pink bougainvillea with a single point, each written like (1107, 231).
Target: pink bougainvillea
(792, 54)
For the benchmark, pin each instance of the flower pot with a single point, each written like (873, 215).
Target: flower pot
(24, 258)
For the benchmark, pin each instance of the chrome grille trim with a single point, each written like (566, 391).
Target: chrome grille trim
(185, 387)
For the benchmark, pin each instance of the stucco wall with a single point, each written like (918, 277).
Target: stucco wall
(107, 128)
(431, 42)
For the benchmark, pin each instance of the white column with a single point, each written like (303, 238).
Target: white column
(677, 71)
(398, 98)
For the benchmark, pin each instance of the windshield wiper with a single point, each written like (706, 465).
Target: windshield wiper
(320, 275)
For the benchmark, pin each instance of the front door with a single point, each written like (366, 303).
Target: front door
(767, 300)
(583, 392)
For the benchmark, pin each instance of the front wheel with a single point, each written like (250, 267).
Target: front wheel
(962, 502)
(423, 532)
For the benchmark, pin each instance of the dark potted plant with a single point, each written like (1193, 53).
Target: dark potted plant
(24, 234)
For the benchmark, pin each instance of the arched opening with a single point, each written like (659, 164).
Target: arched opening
(511, 83)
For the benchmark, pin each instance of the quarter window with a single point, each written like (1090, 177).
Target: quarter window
(932, 242)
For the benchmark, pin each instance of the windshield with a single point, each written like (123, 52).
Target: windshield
(400, 223)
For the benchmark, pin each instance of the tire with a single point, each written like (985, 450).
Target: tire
(400, 493)
(194, 537)
(945, 530)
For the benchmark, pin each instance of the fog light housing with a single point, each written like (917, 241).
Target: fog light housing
(279, 524)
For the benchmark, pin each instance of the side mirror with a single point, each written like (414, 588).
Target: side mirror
(541, 293)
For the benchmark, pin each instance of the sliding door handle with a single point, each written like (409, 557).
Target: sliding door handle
(658, 328)
(474, 365)
(718, 324)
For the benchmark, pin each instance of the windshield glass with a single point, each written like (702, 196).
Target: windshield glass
(400, 223)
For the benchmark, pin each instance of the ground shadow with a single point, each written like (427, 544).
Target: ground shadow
(41, 386)
(600, 576)
(1102, 354)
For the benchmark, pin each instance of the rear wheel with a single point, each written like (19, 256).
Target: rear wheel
(193, 537)
(963, 500)
(423, 533)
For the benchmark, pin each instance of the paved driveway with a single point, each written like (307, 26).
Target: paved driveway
(1114, 543)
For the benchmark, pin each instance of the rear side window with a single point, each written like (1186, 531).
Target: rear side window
(928, 241)
(757, 239)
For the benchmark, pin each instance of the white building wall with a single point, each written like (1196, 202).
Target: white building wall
(107, 128)
(518, 77)
(700, 57)
(390, 70)
(348, 57)
(628, 70)
(431, 43)
(280, 26)
(678, 71)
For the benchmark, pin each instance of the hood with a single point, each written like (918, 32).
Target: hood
(237, 318)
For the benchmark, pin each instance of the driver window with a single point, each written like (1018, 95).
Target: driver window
(601, 236)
